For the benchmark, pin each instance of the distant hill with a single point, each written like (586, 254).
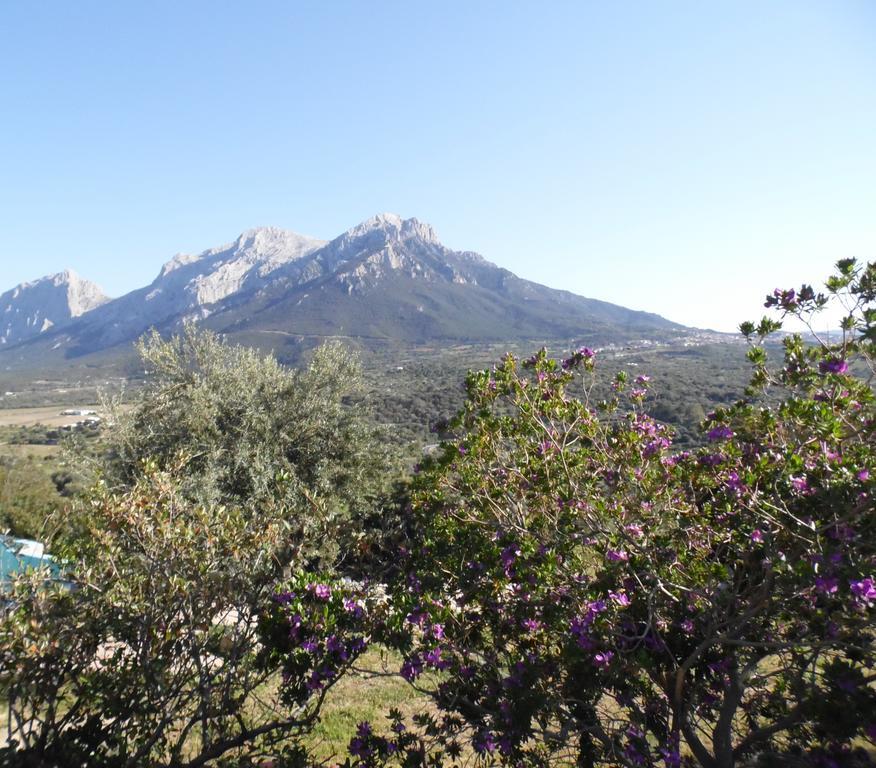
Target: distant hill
(387, 280)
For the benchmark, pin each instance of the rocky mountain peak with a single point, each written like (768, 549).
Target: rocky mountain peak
(82, 295)
(265, 246)
(31, 308)
(268, 243)
(394, 228)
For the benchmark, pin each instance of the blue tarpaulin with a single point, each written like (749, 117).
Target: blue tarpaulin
(19, 555)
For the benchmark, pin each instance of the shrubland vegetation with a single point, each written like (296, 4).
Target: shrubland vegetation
(28, 495)
(417, 391)
(567, 581)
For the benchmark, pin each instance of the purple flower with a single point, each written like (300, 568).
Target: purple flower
(320, 591)
(711, 459)
(333, 644)
(435, 630)
(417, 617)
(532, 625)
(603, 658)
(634, 529)
(655, 446)
(643, 379)
(357, 645)
(484, 742)
(757, 535)
(616, 556)
(584, 353)
(315, 682)
(357, 747)
(833, 365)
(787, 300)
(672, 461)
(864, 475)
(621, 598)
(578, 630)
(734, 484)
(800, 484)
(720, 433)
(596, 606)
(645, 425)
(412, 668)
(294, 625)
(508, 556)
(352, 607)
(672, 757)
(864, 590)
(829, 585)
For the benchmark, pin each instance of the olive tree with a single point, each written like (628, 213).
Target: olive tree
(251, 429)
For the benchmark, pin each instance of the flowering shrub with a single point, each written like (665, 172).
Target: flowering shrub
(313, 631)
(588, 594)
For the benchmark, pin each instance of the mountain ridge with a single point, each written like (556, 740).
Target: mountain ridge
(387, 277)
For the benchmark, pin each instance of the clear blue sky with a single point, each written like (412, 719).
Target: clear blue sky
(679, 157)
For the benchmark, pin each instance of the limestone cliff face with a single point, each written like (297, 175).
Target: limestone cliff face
(33, 308)
(187, 282)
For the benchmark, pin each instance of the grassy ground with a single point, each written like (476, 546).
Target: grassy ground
(367, 694)
(30, 451)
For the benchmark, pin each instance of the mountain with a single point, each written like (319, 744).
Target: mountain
(387, 280)
(31, 309)
(192, 287)
(392, 278)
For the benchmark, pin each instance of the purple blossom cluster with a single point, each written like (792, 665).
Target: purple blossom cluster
(833, 365)
(785, 299)
(583, 354)
(323, 630)
(721, 432)
(864, 591)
